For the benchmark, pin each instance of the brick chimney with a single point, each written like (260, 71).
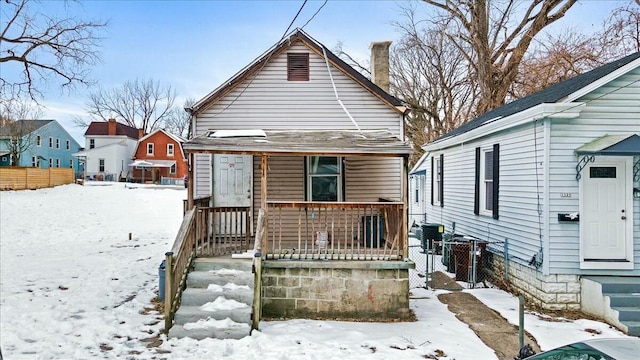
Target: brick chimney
(140, 133)
(380, 64)
(111, 127)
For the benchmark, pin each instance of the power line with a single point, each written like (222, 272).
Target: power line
(269, 56)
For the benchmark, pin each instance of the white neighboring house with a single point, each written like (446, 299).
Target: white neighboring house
(417, 196)
(557, 175)
(109, 149)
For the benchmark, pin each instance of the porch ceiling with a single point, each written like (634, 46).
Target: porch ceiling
(303, 142)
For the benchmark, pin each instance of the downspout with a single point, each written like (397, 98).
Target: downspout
(546, 266)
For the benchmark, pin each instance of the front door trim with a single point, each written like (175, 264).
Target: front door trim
(625, 263)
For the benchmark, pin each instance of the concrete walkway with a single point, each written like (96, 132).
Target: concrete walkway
(494, 330)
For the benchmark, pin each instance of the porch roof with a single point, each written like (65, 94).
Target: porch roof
(302, 142)
(153, 163)
(620, 145)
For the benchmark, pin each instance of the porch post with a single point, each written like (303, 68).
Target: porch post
(263, 200)
(190, 182)
(405, 201)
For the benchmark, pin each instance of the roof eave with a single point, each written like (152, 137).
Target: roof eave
(541, 111)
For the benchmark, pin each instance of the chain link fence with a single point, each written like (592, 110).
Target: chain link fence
(453, 262)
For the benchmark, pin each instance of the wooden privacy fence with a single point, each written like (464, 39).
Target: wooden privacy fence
(21, 178)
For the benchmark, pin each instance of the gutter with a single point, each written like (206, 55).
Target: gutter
(554, 110)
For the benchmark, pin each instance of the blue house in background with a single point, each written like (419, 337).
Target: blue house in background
(46, 144)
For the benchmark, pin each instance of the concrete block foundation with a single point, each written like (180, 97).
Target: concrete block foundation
(341, 290)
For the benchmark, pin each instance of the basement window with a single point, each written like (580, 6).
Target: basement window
(298, 67)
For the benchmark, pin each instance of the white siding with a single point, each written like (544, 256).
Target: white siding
(202, 174)
(270, 102)
(518, 193)
(611, 109)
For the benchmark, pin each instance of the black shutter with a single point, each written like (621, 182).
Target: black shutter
(433, 179)
(441, 180)
(496, 178)
(476, 194)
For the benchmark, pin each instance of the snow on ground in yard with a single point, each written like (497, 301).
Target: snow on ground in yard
(74, 286)
(549, 332)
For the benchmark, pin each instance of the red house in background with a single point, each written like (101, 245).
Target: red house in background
(159, 158)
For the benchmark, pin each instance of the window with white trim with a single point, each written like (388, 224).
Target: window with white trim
(172, 169)
(38, 140)
(34, 161)
(324, 178)
(71, 163)
(169, 149)
(92, 143)
(68, 144)
(436, 180)
(57, 143)
(150, 149)
(486, 178)
(57, 163)
(101, 165)
(50, 162)
(50, 142)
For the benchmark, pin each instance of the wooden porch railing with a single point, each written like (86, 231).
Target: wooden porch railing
(177, 263)
(205, 231)
(197, 202)
(334, 231)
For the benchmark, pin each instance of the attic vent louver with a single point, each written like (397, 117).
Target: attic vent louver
(298, 67)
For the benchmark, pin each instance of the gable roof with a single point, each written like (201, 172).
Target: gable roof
(176, 138)
(102, 128)
(559, 92)
(296, 36)
(32, 125)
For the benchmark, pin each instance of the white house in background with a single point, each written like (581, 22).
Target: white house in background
(557, 175)
(109, 149)
(417, 196)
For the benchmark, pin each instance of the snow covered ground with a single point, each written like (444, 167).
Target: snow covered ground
(74, 286)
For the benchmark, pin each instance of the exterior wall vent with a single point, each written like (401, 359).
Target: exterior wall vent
(297, 67)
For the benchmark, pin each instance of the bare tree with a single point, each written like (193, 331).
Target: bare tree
(494, 38)
(429, 73)
(562, 56)
(36, 48)
(178, 121)
(17, 126)
(143, 104)
(556, 59)
(621, 32)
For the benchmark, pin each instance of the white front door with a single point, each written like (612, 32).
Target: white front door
(232, 180)
(232, 186)
(605, 212)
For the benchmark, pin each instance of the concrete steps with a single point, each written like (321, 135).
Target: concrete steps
(621, 300)
(217, 302)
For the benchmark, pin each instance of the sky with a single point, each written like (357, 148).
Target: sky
(74, 286)
(195, 45)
